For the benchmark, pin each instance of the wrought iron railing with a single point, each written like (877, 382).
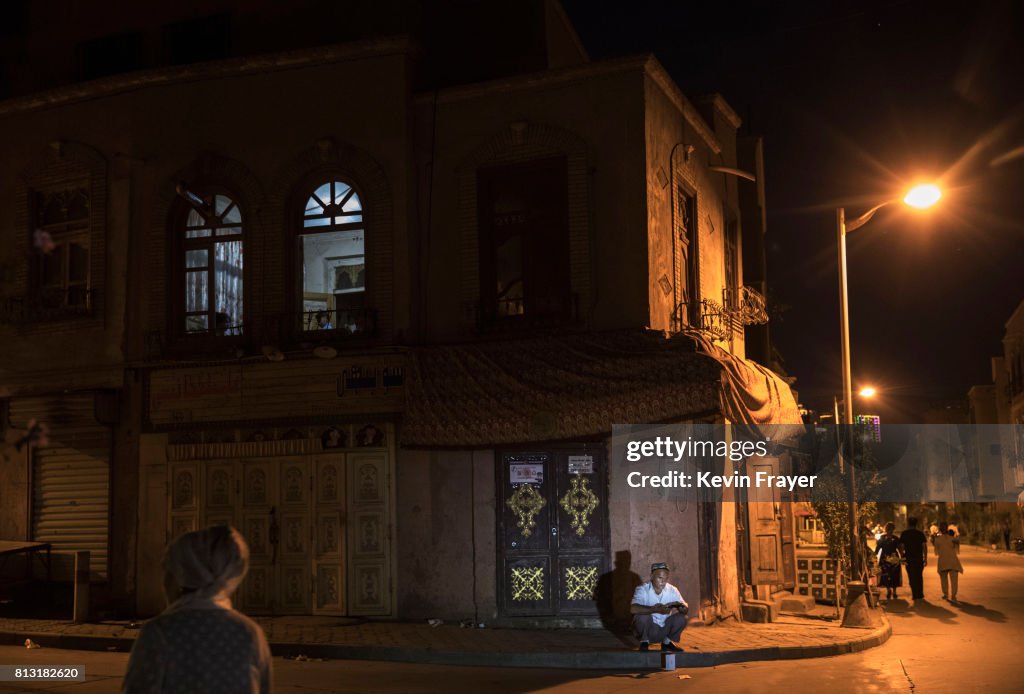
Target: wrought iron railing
(745, 305)
(740, 307)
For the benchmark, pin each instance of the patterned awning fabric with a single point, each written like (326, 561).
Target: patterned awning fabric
(557, 387)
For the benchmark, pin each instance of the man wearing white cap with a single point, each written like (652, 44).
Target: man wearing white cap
(659, 611)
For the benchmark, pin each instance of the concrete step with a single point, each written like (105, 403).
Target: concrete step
(797, 604)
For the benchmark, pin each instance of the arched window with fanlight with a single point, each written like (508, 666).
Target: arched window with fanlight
(332, 260)
(211, 260)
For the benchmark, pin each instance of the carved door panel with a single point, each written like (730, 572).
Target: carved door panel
(581, 507)
(261, 527)
(527, 533)
(553, 531)
(295, 546)
(184, 501)
(369, 534)
(764, 515)
(220, 493)
(329, 535)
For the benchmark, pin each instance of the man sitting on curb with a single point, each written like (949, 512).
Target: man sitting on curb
(659, 611)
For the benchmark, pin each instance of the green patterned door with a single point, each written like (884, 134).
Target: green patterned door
(553, 529)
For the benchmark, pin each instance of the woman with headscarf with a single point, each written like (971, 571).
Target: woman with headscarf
(890, 555)
(200, 643)
(947, 562)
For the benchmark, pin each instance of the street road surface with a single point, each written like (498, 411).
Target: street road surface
(936, 648)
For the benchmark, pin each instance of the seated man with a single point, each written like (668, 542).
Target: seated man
(659, 611)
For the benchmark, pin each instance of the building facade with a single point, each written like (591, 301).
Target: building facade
(378, 306)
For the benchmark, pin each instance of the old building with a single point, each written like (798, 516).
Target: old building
(998, 450)
(376, 296)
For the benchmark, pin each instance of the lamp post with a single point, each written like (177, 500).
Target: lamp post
(920, 197)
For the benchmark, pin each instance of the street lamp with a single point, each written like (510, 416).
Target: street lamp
(920, 196)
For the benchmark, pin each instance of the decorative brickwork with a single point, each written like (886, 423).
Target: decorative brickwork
(63, 166)
(520, 143)
(214, 171)
(328, 159)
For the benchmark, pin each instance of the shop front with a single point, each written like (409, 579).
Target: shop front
(304, 472)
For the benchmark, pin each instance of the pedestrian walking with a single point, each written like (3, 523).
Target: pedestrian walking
(1006, 534)
(915, 550)
(890, 557)
(200, 644)
(947, 562)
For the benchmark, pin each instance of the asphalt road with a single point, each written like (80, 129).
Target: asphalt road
(936, 647)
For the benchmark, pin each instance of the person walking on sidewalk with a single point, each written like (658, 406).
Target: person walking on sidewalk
(915, 549)
(947, 562)
(659, 611)
(200, 644)
(890, 556)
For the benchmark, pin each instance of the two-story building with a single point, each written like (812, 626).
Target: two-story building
(377, 302)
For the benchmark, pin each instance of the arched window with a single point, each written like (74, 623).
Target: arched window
(211, 262)
(333, 259)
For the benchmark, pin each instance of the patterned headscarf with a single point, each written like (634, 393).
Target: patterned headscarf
(207, 565)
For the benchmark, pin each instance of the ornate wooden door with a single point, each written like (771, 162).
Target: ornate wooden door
(369, 554)
(553, 532)
(295, 541)
(259, 521)
(764, 515)
(329, 546)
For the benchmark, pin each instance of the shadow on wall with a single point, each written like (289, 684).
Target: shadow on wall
(615, 593)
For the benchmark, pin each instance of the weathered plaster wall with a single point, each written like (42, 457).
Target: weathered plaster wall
(446, 526)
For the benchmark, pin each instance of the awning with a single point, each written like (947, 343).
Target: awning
(577, 386)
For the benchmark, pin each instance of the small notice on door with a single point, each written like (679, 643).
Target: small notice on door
(526, 473)
(581, 465)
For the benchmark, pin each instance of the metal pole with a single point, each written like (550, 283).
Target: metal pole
(844, 324)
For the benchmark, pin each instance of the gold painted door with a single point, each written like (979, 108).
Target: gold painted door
(553, 531)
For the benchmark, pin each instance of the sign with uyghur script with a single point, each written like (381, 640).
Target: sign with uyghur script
(195, 389)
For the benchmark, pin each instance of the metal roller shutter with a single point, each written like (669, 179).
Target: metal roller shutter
(70, 476)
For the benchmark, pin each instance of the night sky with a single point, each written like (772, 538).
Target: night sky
(854, 99)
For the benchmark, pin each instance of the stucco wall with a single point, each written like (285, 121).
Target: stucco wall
(446, 535)
(677, 154)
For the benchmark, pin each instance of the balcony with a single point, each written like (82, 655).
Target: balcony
(273, 333)
(740, 307)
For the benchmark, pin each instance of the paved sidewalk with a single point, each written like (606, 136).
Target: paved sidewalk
(332, 638)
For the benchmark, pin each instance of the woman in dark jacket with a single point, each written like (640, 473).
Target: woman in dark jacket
(890, 553)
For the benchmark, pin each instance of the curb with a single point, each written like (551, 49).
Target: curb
(570, 660)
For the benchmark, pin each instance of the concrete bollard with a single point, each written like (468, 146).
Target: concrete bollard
(81, 587)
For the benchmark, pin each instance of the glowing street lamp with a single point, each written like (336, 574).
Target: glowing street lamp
(923, 196)
(867, 392)
(920, 196)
